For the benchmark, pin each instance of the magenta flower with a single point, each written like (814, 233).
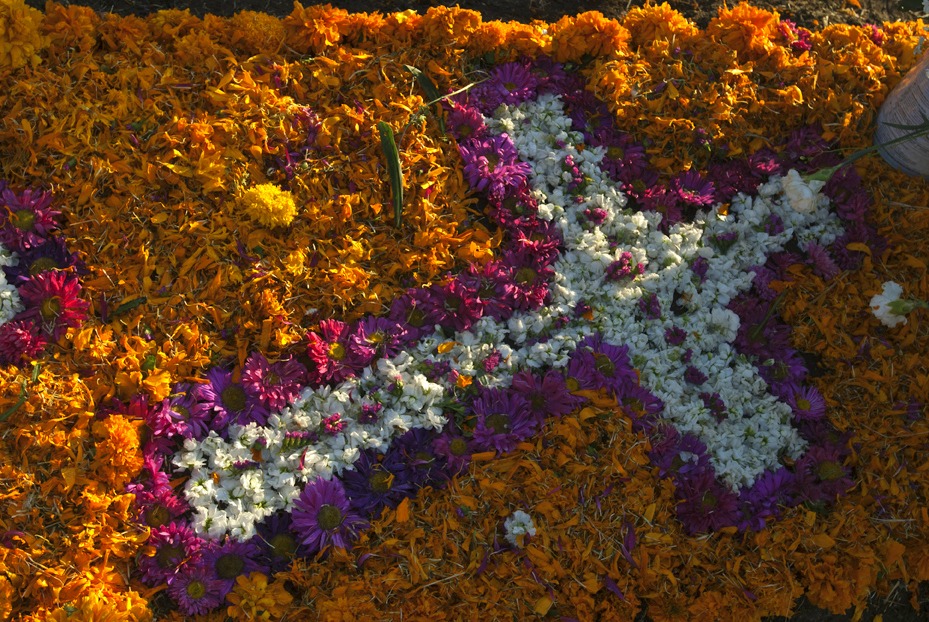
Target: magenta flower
(20, 342)
(693, 189)
(26, 219)
(335, 356)
(492, 165)
(322, 517)
(455, 306)
(509, 83)
(274, 385)
(228, 401)
(182, 414)
(547, 396)
(465, 122)
(51, 299)
(230, 560)
(175, 546)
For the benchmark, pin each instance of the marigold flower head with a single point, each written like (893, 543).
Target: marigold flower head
(117, 458)
(269, 205)
(254, 598)
(20, 41)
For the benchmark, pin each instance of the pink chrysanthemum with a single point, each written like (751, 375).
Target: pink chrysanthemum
(492, 165)
(274, 385)
(26, 220)
(334, 354)
(51, 298)
(175, 546)
(20, 341)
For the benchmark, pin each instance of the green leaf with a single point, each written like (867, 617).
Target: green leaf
(389, 147)
(433, 96)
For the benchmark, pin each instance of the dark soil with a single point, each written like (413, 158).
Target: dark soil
(811, 14)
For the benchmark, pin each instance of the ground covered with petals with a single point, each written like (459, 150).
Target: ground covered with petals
(240, 380)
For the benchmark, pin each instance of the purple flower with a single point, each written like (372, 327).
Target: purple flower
(771, 490)
(228, 401)
(372, 484)
(675, 335)
(822, 263)
(230, 560)
(596, 364)
(547, 396)
(529, 281)
(159, 506)
(693, 189)
(26, 219)
(650, 306)
(274, 385)
(694, 375)
(455, 448)
(382, 335)
(277, 541)
(699, 267)
(492, 284)
(504, 419)
(322, 517)
(175, 546)
(182, 414)
(492, 165)
(623, 268)
(455, 306)
(705, 505)
(196, 590)
(821, 475)
(422, 465)
(665, 202)
(410, 310)
(509, 83)
(715, 404)
(806, 401)
(50, 255)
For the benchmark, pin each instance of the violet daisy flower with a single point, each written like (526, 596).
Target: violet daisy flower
(274, 385)
(334, 355)
(455, 448)
(381, 335)
(228, 401)
(414, 450)
(230, 560)
(21, 341)
(492, 165)
(547, 396)
(277, 541)
(693, 189)
(641, 406)
(322, 516)
(50, 255)
(705, 505)
(455, 306)
(510, 83)
(26, 219)
(771, 490)
(51, 298)
(196, 591)
(821, 475)
(529, 279)
(411, 311)
(610, 363)
(176, 545)
(372, 484)
(183, 414)
(504, 418)
(806, 401)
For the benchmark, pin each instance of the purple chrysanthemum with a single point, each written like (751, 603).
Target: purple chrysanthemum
(159, 506)
(504, 418)
(50, 255)
(277, 541)
(455, 306)
(675, 335)
(230, 560)
(609, 364)
(410, 310)
(823, 265)
(806, 401)
(821, 475)
(693, 189)
(381, 335)
(705, 505)
(694, 375)
(624, 268)
(196, 590)
(372, 484)
(715, 404)
(182, 414)
(322, 516)
(455, 448)
(650, 306)
(228, 401)
(175, 546)
(510, 83)
(547, 396)
(492, 165)
(52, 300)
(491, 283)
(770, 491)
(20, 342)
(26, 219)
(274, 385)
(414, 450)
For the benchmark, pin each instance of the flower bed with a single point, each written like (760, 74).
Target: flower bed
(610, 351)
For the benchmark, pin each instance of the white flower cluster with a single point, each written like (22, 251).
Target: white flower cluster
(260, 469)
(10, 302)
(518, 525)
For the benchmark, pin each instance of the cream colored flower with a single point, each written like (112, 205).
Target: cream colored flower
(803, 195)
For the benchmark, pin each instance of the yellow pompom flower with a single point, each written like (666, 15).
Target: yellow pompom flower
(118, 458)
(269, 205)
(254, 598)
(20, 41)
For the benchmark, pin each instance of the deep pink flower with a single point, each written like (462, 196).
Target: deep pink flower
(26, 219)
(20, 342)
(51, 299)
(334, 354)
(274, 385)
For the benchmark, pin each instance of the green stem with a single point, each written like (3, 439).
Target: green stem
(826, 173)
